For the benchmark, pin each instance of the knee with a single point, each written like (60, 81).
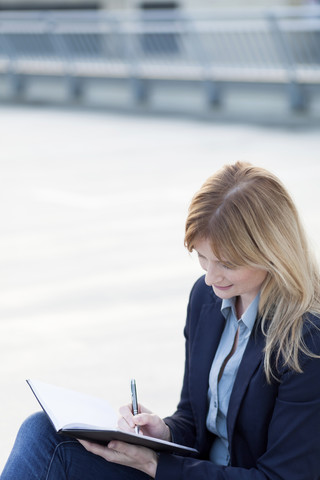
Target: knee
(36, 422)
(35, 428)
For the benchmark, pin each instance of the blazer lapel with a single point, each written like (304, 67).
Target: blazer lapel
(209, 331)
(251, 359)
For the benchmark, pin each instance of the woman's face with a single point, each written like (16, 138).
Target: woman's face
(228, 281)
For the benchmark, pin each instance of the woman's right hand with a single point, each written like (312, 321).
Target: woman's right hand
(149, 423)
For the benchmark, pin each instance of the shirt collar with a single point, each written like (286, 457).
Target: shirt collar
(249, 316)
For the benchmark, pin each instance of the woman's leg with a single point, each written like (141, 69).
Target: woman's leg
(39, 453)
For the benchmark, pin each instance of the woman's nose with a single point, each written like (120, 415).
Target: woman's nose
(213, 276)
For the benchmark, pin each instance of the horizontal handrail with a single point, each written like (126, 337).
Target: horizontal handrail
(279, 45)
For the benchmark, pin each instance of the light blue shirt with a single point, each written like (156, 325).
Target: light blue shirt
(219, 392)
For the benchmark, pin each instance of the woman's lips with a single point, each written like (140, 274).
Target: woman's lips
(222, 288)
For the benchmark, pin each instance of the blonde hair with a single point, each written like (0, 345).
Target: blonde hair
(250, 220)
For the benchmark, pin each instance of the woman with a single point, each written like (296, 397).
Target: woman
(250, 401)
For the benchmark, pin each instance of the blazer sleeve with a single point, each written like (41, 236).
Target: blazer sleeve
(293, 442)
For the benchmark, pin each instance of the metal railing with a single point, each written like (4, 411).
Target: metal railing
(256, 46)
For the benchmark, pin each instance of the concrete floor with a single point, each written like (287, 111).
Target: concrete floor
(94, 274)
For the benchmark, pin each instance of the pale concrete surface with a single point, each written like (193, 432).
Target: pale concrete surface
(94, 275)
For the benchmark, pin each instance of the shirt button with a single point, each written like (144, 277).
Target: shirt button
(215, 404)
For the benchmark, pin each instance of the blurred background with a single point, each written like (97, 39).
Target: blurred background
(112, 114)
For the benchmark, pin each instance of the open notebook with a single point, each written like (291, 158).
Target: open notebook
(86, 417)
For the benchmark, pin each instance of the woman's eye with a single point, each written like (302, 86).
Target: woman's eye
(226, 266)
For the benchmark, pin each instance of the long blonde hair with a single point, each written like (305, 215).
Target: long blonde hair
(250, 220)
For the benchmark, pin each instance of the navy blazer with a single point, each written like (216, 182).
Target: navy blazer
(273, 429)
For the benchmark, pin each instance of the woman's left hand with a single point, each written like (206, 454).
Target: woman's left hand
(123, 453)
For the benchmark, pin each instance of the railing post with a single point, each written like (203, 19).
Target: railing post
(138, 85)
(73, 83)
(211, 88)
(17, 82)
(139, 90)
(212, 92)
(296, 95)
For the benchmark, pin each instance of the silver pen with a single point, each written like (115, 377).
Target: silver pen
(134, 401)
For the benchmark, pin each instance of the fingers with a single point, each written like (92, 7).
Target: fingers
(126, 409)
(149, 419)
(118, 452)
(95, 448)
(128, 421)
(133, 456)
(149, 424)
(126, 424)
(107, 451)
